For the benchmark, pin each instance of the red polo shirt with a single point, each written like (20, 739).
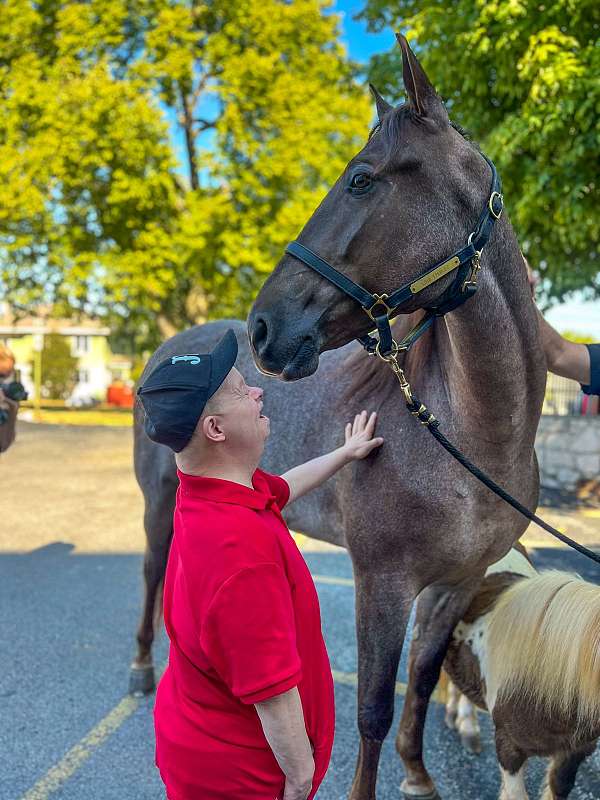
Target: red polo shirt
(243, 619)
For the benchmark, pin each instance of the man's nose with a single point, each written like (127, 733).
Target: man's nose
(256, 392)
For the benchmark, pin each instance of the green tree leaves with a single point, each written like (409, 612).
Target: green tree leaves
(59, 367)
(96, 214)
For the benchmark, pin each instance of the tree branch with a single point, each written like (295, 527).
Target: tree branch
(204, 124)
(190, 138)
(200, 87)
(165, 326)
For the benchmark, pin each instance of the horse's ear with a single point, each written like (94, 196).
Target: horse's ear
(382, 105)
(421, 94)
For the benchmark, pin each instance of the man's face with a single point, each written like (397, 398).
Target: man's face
(239, 408)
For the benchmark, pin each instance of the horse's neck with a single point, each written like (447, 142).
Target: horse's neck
(489, 351)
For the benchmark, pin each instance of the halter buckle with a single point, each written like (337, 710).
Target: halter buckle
(474, 274)
(493, 196)
(379, 301)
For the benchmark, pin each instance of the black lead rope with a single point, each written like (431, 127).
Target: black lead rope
(433, 426)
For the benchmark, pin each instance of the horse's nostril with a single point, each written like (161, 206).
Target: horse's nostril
(259, 334)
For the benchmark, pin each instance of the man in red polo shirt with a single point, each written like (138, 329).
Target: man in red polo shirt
(245, 708)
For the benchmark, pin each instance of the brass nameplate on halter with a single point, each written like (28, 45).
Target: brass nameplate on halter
(435, 275)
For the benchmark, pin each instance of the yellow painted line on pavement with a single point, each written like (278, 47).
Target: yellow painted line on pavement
(351, 679)
(300, 539)
(76, 757)
(79, 753)
(332, 580)
(593, 513)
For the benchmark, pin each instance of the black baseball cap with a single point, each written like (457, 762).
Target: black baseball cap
(175, 393)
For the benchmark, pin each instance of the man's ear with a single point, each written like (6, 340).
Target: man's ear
(212, 430)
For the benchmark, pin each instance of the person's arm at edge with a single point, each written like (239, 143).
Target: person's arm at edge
(8, 429)
(564, 358)
(359, 443)
(282, 720)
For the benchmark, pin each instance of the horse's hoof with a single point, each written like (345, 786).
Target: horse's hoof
(431, 796)
(141, 680)
(472, 743)
(414, 795)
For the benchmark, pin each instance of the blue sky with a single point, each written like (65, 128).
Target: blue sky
(361, 44)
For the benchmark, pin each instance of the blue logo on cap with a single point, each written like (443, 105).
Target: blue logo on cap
(193, 360)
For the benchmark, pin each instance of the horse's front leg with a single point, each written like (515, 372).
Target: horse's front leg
(438, 612)
(383, 602)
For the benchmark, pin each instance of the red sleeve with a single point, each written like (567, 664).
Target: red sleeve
(278, 487)
(249, 634)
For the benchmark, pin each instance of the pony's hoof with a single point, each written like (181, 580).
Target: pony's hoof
(413, 794)
(472, 743)
(450, 720)
(141, 680)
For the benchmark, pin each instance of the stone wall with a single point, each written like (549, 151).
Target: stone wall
(568, 450)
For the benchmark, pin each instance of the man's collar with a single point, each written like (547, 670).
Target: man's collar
(219, 490)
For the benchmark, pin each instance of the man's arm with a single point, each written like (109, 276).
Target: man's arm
(359, 443)
(565, 358)
(282, 720)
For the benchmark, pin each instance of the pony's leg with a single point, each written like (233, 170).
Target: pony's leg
(438, 612)
(382, 610)
(467, 725)
(512, 760)
(158, 522)
(562, 772)
(452, 706)
(513, 785)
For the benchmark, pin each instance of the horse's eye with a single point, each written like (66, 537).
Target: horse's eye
(360, 181)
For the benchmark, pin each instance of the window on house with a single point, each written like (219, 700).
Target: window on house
(83, 375)
(82, 344)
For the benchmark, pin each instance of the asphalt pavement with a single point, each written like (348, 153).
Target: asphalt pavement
(66, 639)
(70, 595)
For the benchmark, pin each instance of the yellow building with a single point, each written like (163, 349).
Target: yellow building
(97, 365)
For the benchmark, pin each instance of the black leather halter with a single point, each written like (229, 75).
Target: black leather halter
(381, 307)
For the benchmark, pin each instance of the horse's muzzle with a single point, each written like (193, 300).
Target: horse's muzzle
(278, 349)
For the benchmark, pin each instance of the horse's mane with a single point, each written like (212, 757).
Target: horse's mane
(544, 647)
(389, 130)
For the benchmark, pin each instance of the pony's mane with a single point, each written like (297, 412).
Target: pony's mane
(544, 647)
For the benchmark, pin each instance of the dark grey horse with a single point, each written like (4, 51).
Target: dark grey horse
(413, 521)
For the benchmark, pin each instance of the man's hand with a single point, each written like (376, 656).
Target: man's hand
(295, 791)
(359, 443)
(359, 436)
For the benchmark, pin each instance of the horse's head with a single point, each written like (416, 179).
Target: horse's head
(406, 200)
